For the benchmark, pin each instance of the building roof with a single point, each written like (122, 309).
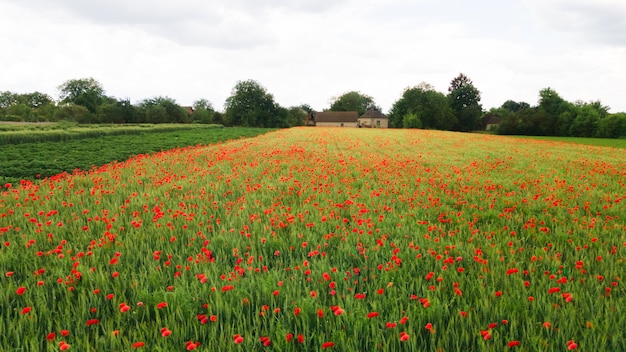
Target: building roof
(336, 116)
(374, 114)
(491, 119)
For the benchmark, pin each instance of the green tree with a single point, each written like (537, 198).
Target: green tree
(296, 116)
(586, 121)
(353, 101)
(411, 120)
(203, 111)
(612, 126)
(85, 92)
(73, 112)
(116, 111)
(250, 105)
(431, 106)
(163, 110)
(464, 99)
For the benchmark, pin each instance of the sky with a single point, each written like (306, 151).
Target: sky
(311, 51)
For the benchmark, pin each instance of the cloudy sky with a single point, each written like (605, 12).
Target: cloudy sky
(309, 51)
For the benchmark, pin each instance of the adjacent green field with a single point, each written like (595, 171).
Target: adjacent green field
(85, 147)
(601, 142)
(323, 239)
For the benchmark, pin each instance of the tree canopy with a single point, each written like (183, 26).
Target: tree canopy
(250, 105)
(423, 101)
(85, 92)
(464, 99)
(353, 101)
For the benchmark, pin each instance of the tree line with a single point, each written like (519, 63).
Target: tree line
(84, 101)
(251, 105)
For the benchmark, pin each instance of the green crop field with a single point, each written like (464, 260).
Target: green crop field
(312, 239)
(34, 151)
(601, 142)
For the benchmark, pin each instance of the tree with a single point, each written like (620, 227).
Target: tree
(431, 106)
(203, 111)
(251, 105)
(612, 126)
(117, 111)
(464, 100)
(73, 112)
(411, 120)
(85, 92)
(163, 110)
(296, 116)
(353, 101)
(586, 121)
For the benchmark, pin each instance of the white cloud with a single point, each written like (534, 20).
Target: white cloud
(307, 51)
(596, 21)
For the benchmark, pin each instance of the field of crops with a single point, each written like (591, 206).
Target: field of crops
(309, 239)
(35, 151)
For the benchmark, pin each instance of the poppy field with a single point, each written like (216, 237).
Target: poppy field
(322, 239)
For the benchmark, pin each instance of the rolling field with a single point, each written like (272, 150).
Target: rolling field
(322, 239)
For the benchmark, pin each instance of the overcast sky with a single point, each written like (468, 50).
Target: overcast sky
(309, 51)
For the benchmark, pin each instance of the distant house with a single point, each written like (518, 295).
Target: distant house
(189, 109)
(372, 118)
(335, 118)
(491, 121)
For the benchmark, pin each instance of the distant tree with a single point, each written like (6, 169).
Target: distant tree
(85, 92)
(464, 99)
(353, 101)
(431, 106)
(202, 111)
(296, 116)
(586, 121)
(251, 105)
(26, 107)
(163, 110)
(307, 108)
(117, 111)
(73, 112)
(35, 100)
(7, 99)
(411, 120)
(612, 126)
(514, 106)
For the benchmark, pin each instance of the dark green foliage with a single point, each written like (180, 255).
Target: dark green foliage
(431, 106)
(354, 101)
(85, 92)
(411, 120)
(612, 126)
(464, 99)
(250, 105)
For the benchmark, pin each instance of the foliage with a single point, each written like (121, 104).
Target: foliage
(73, 112)
(613, 126)
(431, 106)
(411, 120)
(418, 240)
(353, 101)
(86, 92)
(250, 105)
(464, 99)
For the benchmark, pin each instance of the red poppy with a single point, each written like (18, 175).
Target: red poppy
(138, 344)
(328, 344)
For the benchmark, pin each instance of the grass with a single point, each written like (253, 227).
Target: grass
(601, 142)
